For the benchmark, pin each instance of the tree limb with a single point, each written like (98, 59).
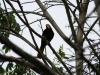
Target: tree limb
(26, 56)
(22, 62)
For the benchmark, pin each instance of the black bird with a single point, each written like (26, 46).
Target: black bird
(48, 34)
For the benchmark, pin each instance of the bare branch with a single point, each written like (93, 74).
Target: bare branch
(50, 19)
(70, 20)
(22, 62)
(26, 56)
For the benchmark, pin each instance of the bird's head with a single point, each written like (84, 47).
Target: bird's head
(48, 26)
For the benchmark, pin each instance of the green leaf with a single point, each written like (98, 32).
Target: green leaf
(11, 73)
(1, 70)
(66, 57)
(9, 66)
(61, 52)
(17, 28)
(6, 48)
(12, 12)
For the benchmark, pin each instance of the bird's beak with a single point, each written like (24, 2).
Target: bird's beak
(47, 26)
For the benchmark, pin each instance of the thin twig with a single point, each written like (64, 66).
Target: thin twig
(22, 62)
(26, 56)
(27, 24)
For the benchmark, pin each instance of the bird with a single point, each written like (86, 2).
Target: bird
(48, 34)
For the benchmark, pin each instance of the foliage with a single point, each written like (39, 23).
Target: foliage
(7, 22)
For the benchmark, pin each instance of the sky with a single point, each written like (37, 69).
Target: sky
(59, 15)
(60, 20)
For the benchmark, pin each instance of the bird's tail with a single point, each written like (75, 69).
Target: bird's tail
(41, 49)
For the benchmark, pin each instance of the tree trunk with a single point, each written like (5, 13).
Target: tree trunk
(82, 15)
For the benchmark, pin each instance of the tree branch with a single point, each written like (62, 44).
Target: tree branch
(51, 20)
(26, 56)
(22, 62)
(70, 20)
